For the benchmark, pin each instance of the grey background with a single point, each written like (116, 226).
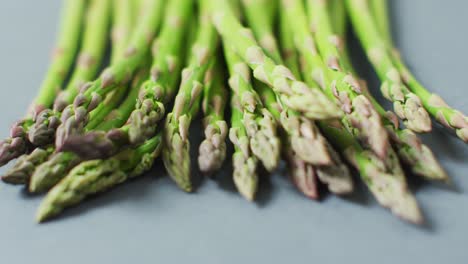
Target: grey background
(150, 221)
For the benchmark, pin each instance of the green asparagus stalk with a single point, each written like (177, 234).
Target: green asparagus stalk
(176, 152)
(155, 93)
(383, 176)
(451, 118)
(63, 56)
(87, 66)
(258, 121)
(57, 167)
(296, 95)
(21, 172)
(260, 14)
(306, 140)
(385, 179)
(124, 14)
(97, 176)
(243, 161)
(410, 148)
(360, 117)
(212, 151)
(76, 115)
(318, 158)
(407, 105)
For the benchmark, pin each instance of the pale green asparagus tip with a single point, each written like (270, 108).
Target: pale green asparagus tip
(88, 178)
(212, 152)
(176, 153)
(245, 165)
(264, 141)
(336, 175)
(389, 187)
(25, 166)
(52, 171)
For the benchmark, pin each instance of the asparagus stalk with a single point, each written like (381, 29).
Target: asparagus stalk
(26, 166)
(407, 105)
(306, 151)
(176, 153)
(76, 115)
(260, 14)
(296, 95)
(385, 179)
(258, 121)
(306, 140)
(360, 117)
(57, 167)
(383, 176)
(88, 63)
(244, 162)
(451, 118)
(212, 151)
(63, 56)
(410, 148)
(124, 14)
(155, 93)
(96, 176)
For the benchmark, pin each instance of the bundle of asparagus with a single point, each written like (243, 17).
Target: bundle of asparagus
(288, 94)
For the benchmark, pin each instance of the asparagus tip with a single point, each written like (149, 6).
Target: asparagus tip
(212, 151)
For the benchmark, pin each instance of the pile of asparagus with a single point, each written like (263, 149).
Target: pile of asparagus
(275, 77)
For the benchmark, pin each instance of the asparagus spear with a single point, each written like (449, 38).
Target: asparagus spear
(407, 105)
(76, 115)
(176, 153)
(383, 176)
(410, 148)
(212, 151)
(304, 170)
(258, 121)
(57, 167)
(297, 95)
(306, 140)
(360, 117)
(63, 56)
(243, 161)
(26, 166)
(260, 14)
(155, 93)
(124, 14)
(451, 118)
(88, 63)
(96, 176)
(385, 179)
(304, 147)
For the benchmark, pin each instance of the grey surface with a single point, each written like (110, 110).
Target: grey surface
(150, 221)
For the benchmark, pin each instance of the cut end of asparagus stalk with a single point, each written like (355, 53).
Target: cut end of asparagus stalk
(176, 154)
(305, 139)
(51, 172)
(336, 176)
(25, 166)
(264, 141)
(44, 128)
(303, 175)
(212, 152)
